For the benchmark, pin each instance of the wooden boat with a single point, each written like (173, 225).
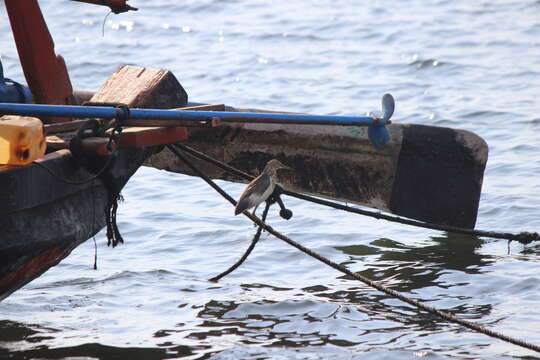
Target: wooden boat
(428, 173)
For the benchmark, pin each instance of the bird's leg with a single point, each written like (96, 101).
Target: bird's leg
(255, 209)
(253, 213)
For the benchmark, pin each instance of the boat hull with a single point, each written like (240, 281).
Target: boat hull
(44, 219)
(428, 173)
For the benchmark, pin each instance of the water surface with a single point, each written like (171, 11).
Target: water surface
(470, 65)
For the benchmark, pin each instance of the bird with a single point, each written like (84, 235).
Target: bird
(260, 188)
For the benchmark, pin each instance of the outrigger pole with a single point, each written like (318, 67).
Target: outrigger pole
(378, 134)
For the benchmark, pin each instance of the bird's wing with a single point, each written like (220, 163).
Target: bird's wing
(254, 193)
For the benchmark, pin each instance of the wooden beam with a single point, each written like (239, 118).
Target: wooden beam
(141, 87)
(63, 127)
(151, 136)
(45, 71)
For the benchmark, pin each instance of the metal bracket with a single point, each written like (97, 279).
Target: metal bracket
(377, 132)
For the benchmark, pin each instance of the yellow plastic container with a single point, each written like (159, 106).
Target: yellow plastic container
(22, 140)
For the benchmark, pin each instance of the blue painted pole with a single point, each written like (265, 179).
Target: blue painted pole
(184, 115)
(377, 131)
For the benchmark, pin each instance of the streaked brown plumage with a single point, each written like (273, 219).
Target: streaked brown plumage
(260, 188)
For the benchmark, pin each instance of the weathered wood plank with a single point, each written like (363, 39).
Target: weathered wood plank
(331, 161)
(427, 173)
(63, 127)
(151, 136)
(141, 87)
(136, 87)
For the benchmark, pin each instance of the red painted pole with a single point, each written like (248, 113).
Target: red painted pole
(45, 72)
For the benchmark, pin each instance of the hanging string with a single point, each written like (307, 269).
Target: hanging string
(103, 24)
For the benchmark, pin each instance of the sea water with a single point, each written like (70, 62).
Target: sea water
(473, 65)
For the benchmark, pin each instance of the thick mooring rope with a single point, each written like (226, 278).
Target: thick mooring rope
(522, 237)
(432, 310)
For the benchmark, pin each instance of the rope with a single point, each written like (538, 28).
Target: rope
(93, 128)
(74, 182)
(432, 310)
(249, 249)
(74, 147)
(522, 237)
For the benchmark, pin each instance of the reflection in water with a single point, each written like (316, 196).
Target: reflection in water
(345, 314)
(452, 251)
(318, 353)
(417, 271)
(98, 351)
(12, 333)
(413, 267)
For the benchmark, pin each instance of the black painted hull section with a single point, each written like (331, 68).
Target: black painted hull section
(440, 176)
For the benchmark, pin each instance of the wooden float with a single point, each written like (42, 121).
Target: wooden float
(427, 173)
